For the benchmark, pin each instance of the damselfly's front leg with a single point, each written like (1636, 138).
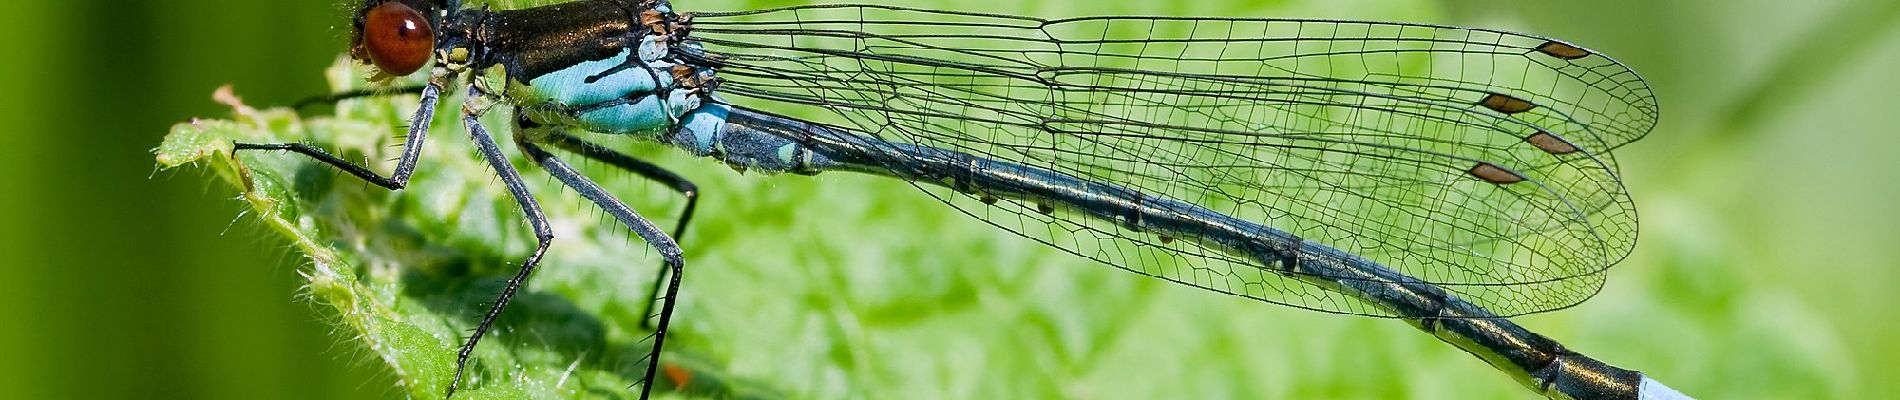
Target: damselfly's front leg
(669, 249)
(411, 146)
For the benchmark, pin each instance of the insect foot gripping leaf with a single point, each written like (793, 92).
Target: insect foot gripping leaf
(403, 273)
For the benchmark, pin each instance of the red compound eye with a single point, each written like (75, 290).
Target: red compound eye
(397, 38)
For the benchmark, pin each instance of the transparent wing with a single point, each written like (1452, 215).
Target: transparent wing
(1475, 160)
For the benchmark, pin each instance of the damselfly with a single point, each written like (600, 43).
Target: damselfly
(1446, 177)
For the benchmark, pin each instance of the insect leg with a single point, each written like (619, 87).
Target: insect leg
(668, 248)
(411, 147)
(644, 169)
(485, 144)
(333, 98)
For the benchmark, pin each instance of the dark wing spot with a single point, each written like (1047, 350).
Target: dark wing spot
(1492, 173)
(1551, 143)
(1506, 104)
(1563, 50)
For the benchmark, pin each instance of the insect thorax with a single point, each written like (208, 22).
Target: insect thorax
(619, 69)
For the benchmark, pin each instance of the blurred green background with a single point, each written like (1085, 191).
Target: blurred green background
(1768, 197)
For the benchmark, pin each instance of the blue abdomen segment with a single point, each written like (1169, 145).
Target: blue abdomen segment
(706, 132)
(701, 130)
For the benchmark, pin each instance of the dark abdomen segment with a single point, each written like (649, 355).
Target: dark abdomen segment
(757, 140)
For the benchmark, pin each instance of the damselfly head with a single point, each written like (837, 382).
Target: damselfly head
(397, 36)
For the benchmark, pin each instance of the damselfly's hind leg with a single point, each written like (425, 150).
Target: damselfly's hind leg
(668, 248)
(644, 169)
(411, 147)
(543, 234)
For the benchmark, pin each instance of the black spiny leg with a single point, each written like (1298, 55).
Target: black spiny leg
(333, 98)
(491, 153)
(411, 147)
(669, 249)
(644, 169)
